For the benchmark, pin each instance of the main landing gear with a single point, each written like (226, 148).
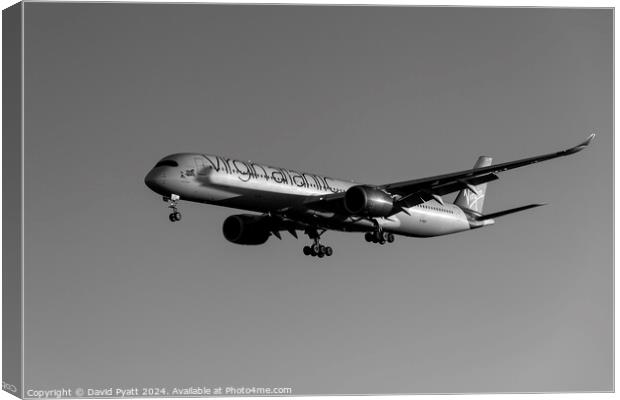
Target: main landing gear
(317, 249)
(380, 237)
(175, 215)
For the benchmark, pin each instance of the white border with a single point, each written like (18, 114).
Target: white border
(506, 3)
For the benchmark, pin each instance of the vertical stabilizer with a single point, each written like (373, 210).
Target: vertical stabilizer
(474, 199)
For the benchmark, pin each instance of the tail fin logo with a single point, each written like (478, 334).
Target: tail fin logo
(474, 201)
(471, 196)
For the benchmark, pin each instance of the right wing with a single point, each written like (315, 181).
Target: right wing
(412, 192)
(436, 183)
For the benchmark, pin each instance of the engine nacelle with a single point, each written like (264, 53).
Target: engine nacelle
(365, 200)
(245, 229)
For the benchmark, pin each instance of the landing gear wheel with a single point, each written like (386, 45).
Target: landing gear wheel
(316, 249)
(379, 236)
(175, 215)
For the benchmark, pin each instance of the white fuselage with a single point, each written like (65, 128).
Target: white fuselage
(261, 188)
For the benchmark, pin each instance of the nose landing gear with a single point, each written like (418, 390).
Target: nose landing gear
(317, 249)
(380, 237)
(175, 215)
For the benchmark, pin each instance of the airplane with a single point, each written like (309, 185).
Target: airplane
(288, 200)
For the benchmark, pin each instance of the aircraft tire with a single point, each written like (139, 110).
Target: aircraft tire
(316, 249)
(172, 218)
(307, 250)
(321, 255)
(177, 216)
(329, 251)
(368, 237)
(390, 238)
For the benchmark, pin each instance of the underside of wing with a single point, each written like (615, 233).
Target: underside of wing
(333, 203)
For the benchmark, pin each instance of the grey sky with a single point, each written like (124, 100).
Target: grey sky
(116, 295)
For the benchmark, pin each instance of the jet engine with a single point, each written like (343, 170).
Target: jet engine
(366, 200)
(245, 229)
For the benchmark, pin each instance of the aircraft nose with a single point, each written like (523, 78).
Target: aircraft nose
(154, 180)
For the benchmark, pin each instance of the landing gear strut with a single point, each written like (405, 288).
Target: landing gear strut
(317, 249)
(380, 237)
(175, 215)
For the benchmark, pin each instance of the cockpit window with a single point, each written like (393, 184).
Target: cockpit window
(167, 163)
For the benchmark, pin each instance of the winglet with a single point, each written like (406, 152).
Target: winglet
(581, 146)
(588, 140)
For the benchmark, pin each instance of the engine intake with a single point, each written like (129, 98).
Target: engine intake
(245, 229)
(365, 200)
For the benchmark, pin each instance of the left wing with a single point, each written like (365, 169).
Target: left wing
(412, 192)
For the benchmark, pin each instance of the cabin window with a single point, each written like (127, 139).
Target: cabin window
(167, 163)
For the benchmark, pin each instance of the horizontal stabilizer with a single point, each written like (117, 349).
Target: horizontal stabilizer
(506, 212)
